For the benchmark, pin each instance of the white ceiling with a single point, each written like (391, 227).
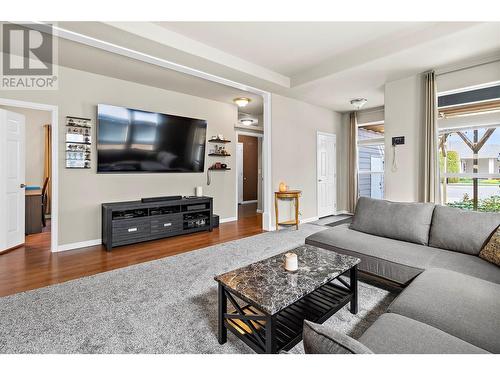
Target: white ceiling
(326, 64)
(289, 47)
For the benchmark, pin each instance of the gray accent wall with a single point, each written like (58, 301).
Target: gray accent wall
(294, 128)
(81, 192)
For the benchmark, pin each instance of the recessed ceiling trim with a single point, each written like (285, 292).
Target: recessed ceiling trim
(388, 46)
(180, 42)
(133, 54)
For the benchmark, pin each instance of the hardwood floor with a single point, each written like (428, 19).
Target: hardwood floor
(247, 210)
(34, 266)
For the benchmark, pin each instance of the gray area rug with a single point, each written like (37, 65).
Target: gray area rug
(163, 306)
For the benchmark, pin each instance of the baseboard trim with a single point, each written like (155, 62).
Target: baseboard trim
(259, 211)
(228, 219)
(342, 212)
(78, 245)
(308, 220)
(249, 202)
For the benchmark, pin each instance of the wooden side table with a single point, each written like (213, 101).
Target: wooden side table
(290, 194)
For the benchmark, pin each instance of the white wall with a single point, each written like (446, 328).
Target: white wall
(403, 117)
(370, 115)
(81, 192)
(35, 143)
(294, 127)
(469, 77)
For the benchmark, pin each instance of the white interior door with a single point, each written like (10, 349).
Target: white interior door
(326, 172)
(12, 138)
(239, 167)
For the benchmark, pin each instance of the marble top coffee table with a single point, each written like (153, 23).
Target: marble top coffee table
(276, 301)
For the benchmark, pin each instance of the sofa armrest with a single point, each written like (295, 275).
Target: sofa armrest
(324, 340)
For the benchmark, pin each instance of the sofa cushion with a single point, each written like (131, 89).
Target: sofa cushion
(394, 260)
(319, 339)
(467, 264)
(397, 334)
(461, 230)
(491, 251)
(402, 221)
(462, 306)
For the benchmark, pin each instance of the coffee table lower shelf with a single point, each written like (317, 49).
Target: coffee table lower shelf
(266, 333)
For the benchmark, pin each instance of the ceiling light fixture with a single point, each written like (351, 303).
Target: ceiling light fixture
(358, 103)
(247, 121)
(242, 102)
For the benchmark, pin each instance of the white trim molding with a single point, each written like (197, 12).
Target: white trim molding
(228, 219)
(159, 34)
(308, 220)
(249, 202)
(342, 212)
(78, 245)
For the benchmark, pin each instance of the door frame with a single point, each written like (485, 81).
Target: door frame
(54, 210)
(318, 134)
(238, 180)
(263, 190)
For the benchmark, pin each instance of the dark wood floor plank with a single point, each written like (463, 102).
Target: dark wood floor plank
(34, 266)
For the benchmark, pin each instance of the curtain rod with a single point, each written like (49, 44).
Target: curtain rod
(468, 67)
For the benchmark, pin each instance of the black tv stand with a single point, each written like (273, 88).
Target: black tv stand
(125, 223)
(161, 199)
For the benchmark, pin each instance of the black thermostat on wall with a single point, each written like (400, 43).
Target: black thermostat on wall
(398, 141)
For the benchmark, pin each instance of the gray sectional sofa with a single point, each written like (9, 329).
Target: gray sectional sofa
(451, 300)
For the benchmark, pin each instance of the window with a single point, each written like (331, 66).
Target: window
(469, 148)
(469, 168)
(371, 160)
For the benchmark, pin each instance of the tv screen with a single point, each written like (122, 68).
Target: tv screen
(135, 141)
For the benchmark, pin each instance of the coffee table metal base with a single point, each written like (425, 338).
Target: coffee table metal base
(266, 333)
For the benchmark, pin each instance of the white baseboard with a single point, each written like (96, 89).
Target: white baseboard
(249, 202)
(342, 212)
(259, 211)
(228, 219)
(308, 220)
(78, 245)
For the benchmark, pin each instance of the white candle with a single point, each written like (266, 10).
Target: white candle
(291, 262)
(199, 191)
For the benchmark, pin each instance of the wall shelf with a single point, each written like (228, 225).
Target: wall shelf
(78, 142)
(219, 141)
(215, 154)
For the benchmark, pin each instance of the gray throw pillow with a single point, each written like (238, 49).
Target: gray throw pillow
(324, 340)
(462, 230)
(402, 221)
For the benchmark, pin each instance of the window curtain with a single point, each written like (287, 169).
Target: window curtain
(431, 155)
(352, 166)
(47, 165)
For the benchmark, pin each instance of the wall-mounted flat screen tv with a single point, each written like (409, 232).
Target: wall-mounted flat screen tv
(135, 141)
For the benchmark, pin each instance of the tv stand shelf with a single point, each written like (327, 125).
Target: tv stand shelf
(125, 223)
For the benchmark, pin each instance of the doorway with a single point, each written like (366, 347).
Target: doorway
(30, 212)
(249, 173)
(326, 174)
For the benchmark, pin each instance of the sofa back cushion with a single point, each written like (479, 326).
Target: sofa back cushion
(401, 221)
(320, 339)
(461, 230)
